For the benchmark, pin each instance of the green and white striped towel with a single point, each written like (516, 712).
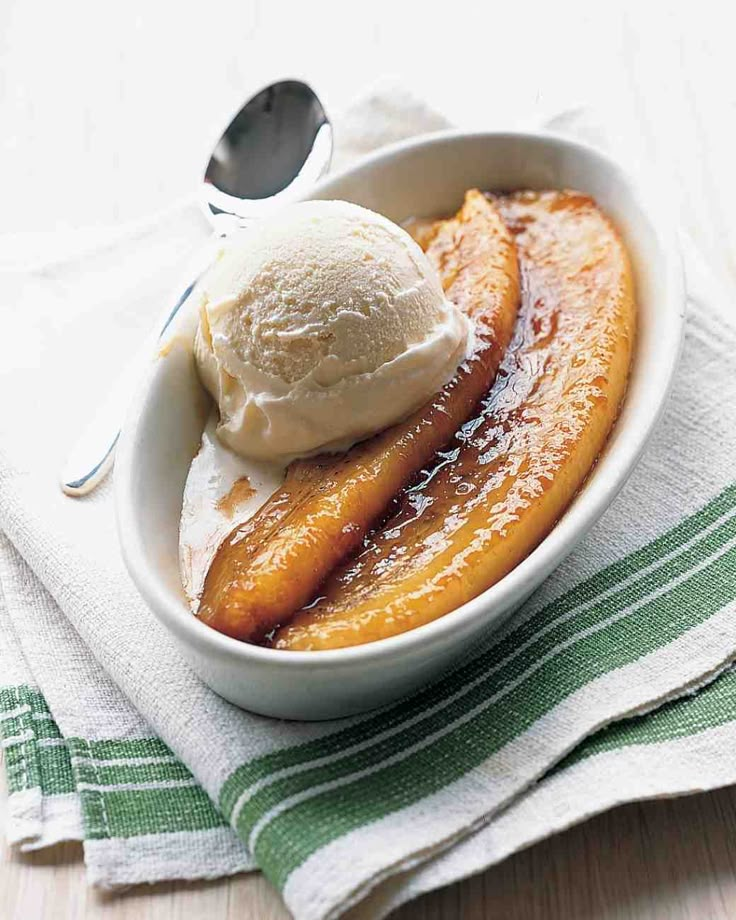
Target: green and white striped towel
(362, 814)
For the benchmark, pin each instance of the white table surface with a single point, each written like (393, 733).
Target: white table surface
(107, 111)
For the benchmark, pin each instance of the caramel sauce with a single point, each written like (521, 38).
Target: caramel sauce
(240, 491)
(173, 342)
(498, 487)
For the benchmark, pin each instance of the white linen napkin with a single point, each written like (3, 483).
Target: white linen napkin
(378, 808)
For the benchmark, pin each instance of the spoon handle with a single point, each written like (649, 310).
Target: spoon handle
(93, 455)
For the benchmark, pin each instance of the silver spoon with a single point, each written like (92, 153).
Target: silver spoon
(277, 146)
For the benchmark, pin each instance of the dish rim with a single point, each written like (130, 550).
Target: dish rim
(576, 521)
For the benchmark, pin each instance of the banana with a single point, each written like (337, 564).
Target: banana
(499, 487)
(273, 564)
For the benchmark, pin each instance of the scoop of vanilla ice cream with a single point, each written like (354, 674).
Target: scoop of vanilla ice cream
(320, 327)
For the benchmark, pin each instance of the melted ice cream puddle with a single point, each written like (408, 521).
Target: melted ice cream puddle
(222, 491)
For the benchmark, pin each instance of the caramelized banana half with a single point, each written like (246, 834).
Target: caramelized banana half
(500, 486)
(272, 565)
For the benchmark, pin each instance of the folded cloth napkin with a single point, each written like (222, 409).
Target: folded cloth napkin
(110, 737)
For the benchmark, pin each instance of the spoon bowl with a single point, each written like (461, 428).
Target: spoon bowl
(276, 147)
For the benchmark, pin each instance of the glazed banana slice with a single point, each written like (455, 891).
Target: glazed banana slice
(272, 565)
(501, 485)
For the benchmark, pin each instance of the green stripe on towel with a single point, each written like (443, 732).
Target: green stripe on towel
(132, 813)
(710, 707)
(35, 755)
(133, 787)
